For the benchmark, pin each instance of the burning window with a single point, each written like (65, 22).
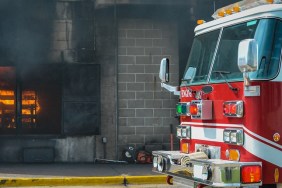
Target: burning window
(30, 108)
(7, 98)
(7, 109)
(30, 102)
(34, 97)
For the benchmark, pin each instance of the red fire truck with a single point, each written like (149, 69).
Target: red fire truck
(230, 105)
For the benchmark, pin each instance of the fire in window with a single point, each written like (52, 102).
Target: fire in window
(30, 108)
(7, 109)
(7, 98)
(30, 100)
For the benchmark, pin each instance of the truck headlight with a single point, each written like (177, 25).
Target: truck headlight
(226, 136)
(233, 136)
(183, 132)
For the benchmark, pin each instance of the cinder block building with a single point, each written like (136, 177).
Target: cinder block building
(79, 78)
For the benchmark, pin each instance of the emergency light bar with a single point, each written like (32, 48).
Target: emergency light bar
(241, 6)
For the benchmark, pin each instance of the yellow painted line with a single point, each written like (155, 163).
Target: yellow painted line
(82, 181)
(17, 182)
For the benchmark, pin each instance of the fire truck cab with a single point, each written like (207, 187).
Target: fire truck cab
(230, 105)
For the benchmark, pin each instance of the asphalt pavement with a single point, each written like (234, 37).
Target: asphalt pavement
(78, 174)
(74, 170)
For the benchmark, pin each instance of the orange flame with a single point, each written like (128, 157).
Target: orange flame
(30, 103)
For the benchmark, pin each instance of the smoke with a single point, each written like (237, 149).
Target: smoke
(25, 31)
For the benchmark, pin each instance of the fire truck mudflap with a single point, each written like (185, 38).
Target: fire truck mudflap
(211, 172)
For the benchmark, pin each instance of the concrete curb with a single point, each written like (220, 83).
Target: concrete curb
(82, 181)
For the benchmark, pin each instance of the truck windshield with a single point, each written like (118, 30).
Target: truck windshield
(204, 67)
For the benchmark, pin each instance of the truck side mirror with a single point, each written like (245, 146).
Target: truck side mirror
(248, 55)
(247, 58)
(164, 70)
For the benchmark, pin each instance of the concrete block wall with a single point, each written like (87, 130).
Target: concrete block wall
(72, 37)
(145, 109)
